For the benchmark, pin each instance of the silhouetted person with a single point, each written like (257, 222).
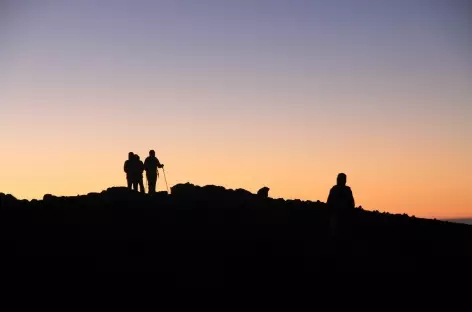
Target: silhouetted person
(139, 173)
(341, 202)
(340, 196)
(130, 169)
(150, 165)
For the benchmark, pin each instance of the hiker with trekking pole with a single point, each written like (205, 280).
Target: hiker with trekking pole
(151, 165)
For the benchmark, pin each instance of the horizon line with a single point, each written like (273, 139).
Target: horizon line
(449, 219)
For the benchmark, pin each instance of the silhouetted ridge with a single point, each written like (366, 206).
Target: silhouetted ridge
(210, 236)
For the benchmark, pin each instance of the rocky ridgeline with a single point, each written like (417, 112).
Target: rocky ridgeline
(210, 235)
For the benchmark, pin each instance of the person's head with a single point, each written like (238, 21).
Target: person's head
(341, 179)
(130, 155)
(137, 157)
(152, 153)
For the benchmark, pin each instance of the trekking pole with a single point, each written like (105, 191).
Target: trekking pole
(165, 179)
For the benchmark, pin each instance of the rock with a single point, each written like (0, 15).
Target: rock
(263, 192)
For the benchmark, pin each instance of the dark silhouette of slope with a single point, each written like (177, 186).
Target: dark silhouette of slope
(211, 236)
(463, 220)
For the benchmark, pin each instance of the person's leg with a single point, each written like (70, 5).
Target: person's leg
(135, 185)
(149, 181)
(152, 183)
(153, 186)
(130, 184)
(141, 185)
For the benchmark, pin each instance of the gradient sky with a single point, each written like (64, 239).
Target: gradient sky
(242, 93)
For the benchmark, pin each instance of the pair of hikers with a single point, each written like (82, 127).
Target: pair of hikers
(135, 168)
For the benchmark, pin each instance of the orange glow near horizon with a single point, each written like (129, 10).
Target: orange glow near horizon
(387, 170)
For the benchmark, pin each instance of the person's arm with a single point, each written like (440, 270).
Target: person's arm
(330, 197)
(125, 167)
(352, 203)
(159, 165)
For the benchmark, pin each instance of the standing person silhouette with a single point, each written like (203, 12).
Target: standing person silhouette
(130, 170)
(150, 165)
(341, 203)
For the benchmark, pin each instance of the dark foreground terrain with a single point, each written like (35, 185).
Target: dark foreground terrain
(210, 236)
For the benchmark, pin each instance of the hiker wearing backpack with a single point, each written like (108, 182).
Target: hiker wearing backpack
(151, 164)
(131, 170)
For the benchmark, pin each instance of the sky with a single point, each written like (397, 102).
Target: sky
(243, 94)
